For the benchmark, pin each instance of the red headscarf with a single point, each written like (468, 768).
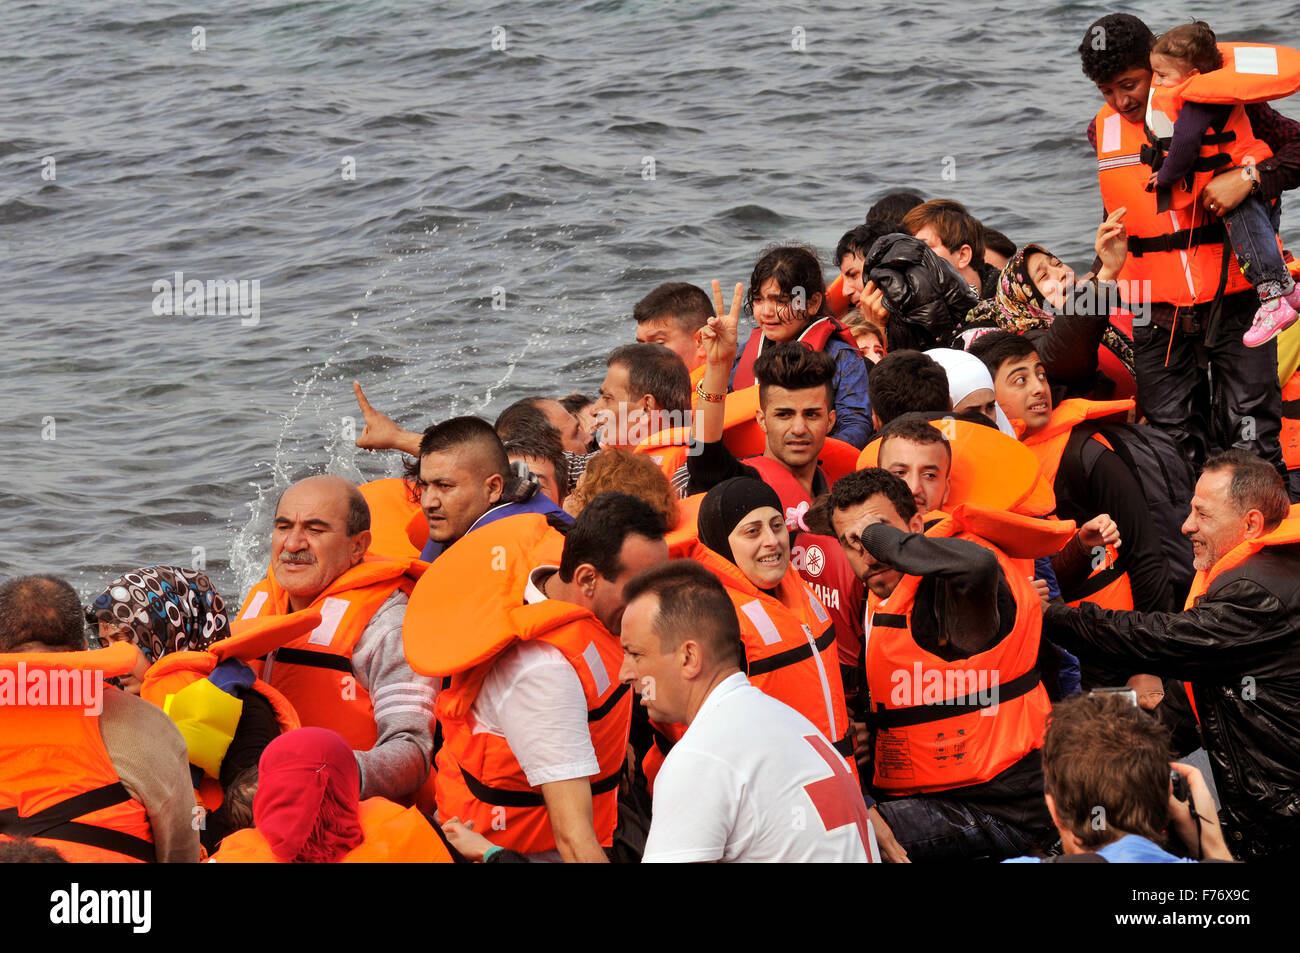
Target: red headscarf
(308, 792)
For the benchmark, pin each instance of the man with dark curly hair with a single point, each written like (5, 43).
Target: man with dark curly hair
(1191, 302)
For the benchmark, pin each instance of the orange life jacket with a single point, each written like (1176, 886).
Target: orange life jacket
(667, 449)
(814, 337)
(1286, 534)
(314, 671)
(740, 433)
(989, 468)
(465, 612)
(836, 300)
(1235, 144)
(393, 835)
(681, 539)
(790, 645)
(819, 559)
(250, 639)
(1048, 445)
(837, 459)
(58, 785)
(1175, 256)
(392, 509)
(941, 724)
(1290, 436)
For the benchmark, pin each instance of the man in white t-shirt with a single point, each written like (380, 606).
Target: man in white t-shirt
(536, 744)
(752, 779)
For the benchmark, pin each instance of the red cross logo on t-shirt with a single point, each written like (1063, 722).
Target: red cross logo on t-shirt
(837, 798)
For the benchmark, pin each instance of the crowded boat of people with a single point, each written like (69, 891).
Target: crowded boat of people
(961, 555)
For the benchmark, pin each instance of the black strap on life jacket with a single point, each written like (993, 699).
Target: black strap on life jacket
(1096, 582)
(509, 797)
(889, 620)
(1155, 152)
(1210, 163)
(1216, 308)
(1211, 233)
(962, 705)
(56, 823)
(596, 714)
(1163, 143)
(845, 745)
(328, 660)
(792, 656)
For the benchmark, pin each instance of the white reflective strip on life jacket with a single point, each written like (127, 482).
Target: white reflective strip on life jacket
(818, 609)
(1111, 133)
(599, 677)
(255, 606)
(826, 685)
(1183, 257)
(1255, 60)
(332, 611)
(767, 630)
(1157, 121)
(1119, 162)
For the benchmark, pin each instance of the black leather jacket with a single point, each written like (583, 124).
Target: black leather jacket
(1239, 646)
(925, 296)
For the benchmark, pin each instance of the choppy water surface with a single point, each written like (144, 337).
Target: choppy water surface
(607, 147)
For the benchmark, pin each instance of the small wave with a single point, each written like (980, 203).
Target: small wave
(749, 215)
(16, 210)
(415, 120)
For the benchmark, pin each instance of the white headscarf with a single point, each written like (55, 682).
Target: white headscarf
(967, 374)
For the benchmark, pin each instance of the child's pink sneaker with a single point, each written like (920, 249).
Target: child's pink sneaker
(1272, 318)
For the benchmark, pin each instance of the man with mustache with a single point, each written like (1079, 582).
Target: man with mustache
(1235, 643)
(349, 674)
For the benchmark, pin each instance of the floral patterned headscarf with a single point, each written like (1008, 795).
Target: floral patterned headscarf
(1020, 306)
(168, 609)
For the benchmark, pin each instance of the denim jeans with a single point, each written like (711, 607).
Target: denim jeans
(933, 828)
(1252, 229)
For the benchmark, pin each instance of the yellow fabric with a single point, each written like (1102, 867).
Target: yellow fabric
(207, 718)
(1288, 353)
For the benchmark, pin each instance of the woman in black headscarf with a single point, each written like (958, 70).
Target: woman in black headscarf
(789, 639)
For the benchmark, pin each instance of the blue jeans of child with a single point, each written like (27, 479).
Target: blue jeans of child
(1252, 229)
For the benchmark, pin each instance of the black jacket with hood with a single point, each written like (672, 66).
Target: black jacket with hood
(925, 295)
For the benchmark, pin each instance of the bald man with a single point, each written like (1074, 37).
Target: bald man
(350, 673)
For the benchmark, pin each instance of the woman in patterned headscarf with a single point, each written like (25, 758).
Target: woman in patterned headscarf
(160, 609)
(1039, 296)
